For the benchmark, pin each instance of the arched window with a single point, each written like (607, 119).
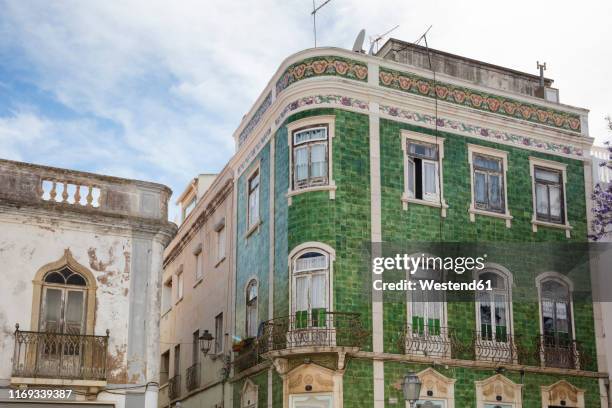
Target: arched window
(556, 312)
(251, 308)
(63, 306)
(310, 288)
(426, 307)
(493, 307)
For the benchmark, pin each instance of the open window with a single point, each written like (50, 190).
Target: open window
(251, 309)
(549, 197)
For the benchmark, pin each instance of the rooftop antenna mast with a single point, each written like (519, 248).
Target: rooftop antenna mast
(424, 36)
(374, 42)
(542, 68)
(315, 9)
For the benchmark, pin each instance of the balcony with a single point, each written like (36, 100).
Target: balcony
(321, 330)
(59, 356)
(174, 387)
(248, 357)
(429, 341)
(561, 352)
(192, 377)
(499, 347)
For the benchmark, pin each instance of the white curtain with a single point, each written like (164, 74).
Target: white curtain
(411, 178)
(495, 191)
(541, 199)
(555, 201)
(301, 293)
(429, 179)
(301, 163)
(480, 187)
(318, 165)
(318, 292)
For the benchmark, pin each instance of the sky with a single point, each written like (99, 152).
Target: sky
(153, 90)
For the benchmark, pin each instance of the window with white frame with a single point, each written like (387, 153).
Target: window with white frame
(219, 333)
(310, 157)
(422, 171)
(251, 309)
(426, 314)
(556, 312)
(199, 267)
(220, 242)
(493, 307)
(549, 198)
(253, 199)
(488, 169)
(179, 286)
(310, 286)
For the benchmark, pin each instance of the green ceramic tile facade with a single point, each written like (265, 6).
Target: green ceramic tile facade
(261, 381)
(358, 384)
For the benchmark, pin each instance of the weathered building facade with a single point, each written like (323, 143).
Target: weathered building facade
(81, 262)
(343, 149)
(197, 293)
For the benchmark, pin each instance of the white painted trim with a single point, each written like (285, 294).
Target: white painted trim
(546, 392)
(311, 121)
(256, 168)
(517, 388)
(249, 384)
(553, 165)
(448, 399)
(430, 139)
(503, 155)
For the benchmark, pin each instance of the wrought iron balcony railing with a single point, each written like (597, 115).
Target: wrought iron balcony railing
(561, 352)
(315, 329)
(174, 387)
(429, 340)
(248, 357)
(499, 347)
(56, 355)
(192, 377)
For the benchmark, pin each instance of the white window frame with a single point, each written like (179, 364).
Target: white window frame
(246, 297)
(408, 136)
(506, 275)
(180, 285)
(500, 154)
(221, 238)
(219, 342)
(303, 124)
(553, 166)
(253, 224)
(199, 263)
(300, 250)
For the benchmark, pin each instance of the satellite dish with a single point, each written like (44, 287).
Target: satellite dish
(358, 45)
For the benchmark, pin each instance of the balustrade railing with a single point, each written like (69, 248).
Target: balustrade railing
(174, 387)
(57, 355)
(429, 340)
(192, 377)
(560, 352)
(499, 347)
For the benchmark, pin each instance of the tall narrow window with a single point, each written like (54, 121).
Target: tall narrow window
(310, 157)
(427, 306)
(253, 199)
(220, 242)
(549, 195)
(63, 305)
(195, 347)
(167, 295)
(488, 183)
(179, 286)
(557, 337)
(493, 308)
(164, 368)
(251, 309)
(177, 360)
(219, 333)
(199, 267)
(422, 171)
(310, 289)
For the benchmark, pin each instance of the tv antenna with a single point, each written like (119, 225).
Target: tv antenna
(374, 41)
(315, 9)
(418, 40)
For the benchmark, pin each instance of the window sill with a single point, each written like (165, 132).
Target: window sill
(219, 262)
(198, 281)
(406, 200)
(535, 223)
(253, 228)
(331, 187)
(505, 216)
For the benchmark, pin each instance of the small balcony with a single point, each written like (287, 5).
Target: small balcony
(247, 357)
(320, 329)
(174, 387)
(499, 347)
(59, 356)
(429, 341)
(561, 352)
(192, 377)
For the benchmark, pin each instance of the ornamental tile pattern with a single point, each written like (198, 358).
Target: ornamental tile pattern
(458, 95)
(255, 119)
(479, 131)
(320, 66)
(339, 100)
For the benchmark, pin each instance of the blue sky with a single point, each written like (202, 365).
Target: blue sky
(154, 89)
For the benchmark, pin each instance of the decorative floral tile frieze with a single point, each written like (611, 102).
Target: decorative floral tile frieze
(408, 82)
(255, 119)
(324, 65)
(251, 155)
(479, 131)
(340, 100)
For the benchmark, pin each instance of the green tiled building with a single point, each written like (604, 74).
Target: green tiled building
(343, 151)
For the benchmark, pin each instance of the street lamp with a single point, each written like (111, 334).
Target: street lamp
(205, 339)
(411, 388)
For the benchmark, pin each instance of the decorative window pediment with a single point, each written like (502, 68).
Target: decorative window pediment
(249, 395)
(498, 390)
(562, 394)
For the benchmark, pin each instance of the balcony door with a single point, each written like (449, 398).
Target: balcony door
(557, 324)
(62, 317)
(310, 290)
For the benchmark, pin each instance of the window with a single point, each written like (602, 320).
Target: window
(426, 307)
(195, 347)
(422, 171)
(199, 268)
(220, 242)
(488, 169)
(556, 309)
(219, 333)
(167, 295)
(493, 308)
(63, 305)
(549, 205)
(253, 194)
(488, 183)
(251, 309)
(310, 157)
(179, 286)
(177, 360)
(164, 367)
(310, 289)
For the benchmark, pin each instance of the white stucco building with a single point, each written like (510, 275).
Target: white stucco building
(80, 265)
